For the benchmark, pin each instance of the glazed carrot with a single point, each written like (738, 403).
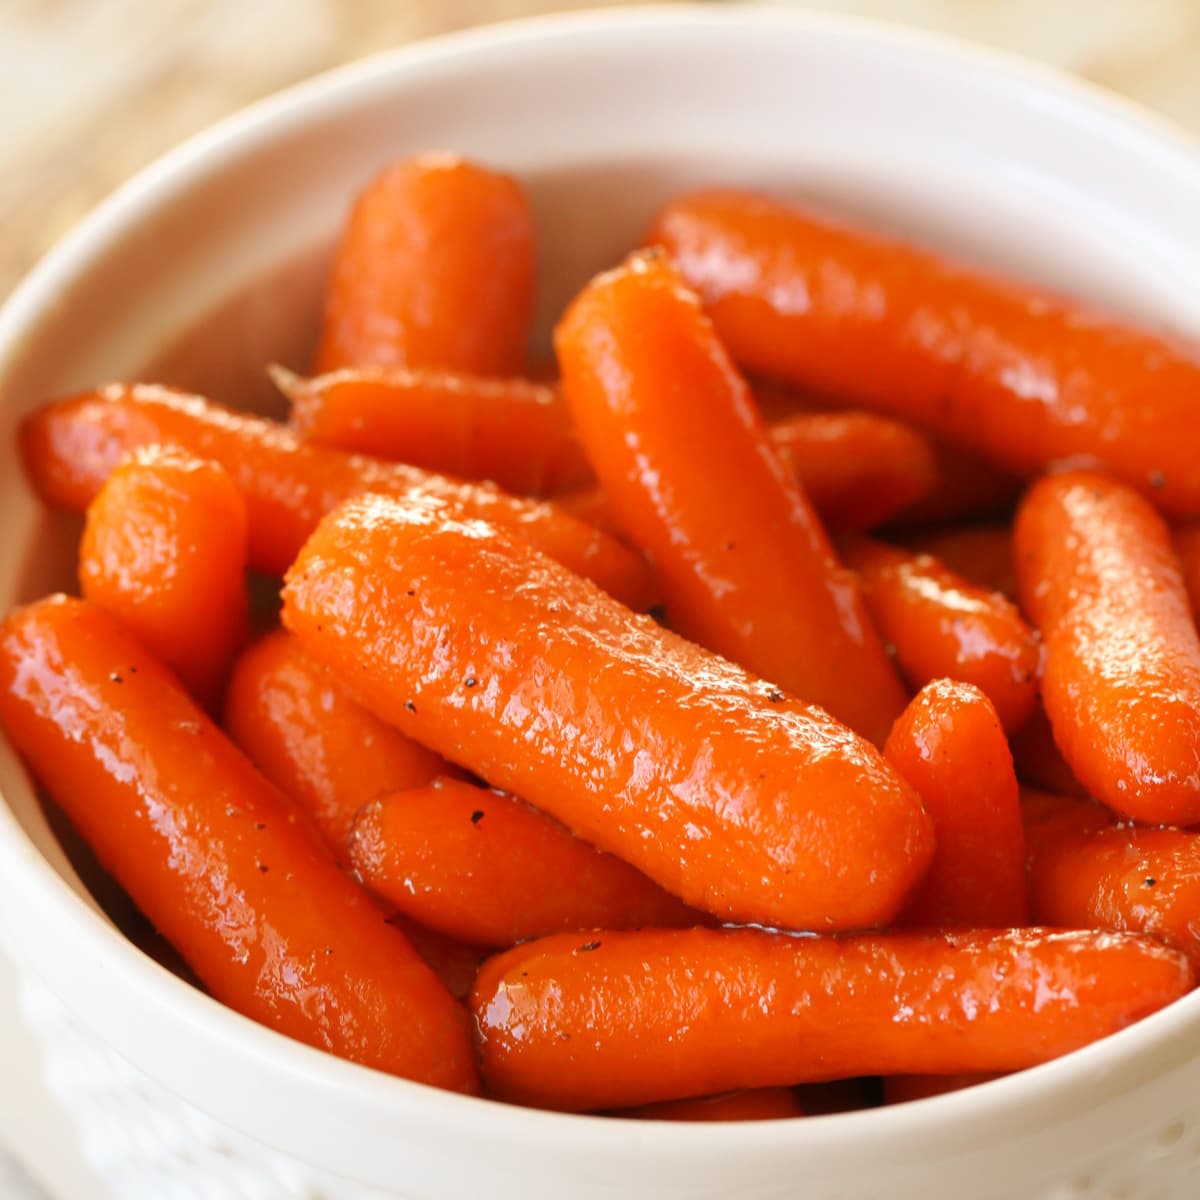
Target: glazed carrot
(900, 1089)
(481, 866)
(981, 554)
(455, 963)
(684, 459)
(511, 431)
(1026, 377)
(968, 487)
(759, 1104)
(616, 1019)
(1038, 760)
(1187, 546)
(950, 746)
(434, 269)
(722, 789)
(302, 730)
(227, 869)
(1121, 686)
(944, 627)
(71, 447)
(164, 551)
(1088, 872)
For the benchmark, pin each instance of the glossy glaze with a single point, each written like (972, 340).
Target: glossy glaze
(164, 551)
(227, 869)
(434, 269)
(981, 554)
(731, 795)
(483, 867)
(1121, 686)
(949, 744)
(942, 626)
(71, 446)
(1025, 376)
(685, 462)
(604, 1020)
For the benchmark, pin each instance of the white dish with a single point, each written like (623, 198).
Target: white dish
(603, 116)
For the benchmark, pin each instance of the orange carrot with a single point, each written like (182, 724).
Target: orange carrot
(759, 1104)
(455, 963)
(224, 866)
(434, 269)
(1038, 760)
(71, 447)
(950, 746)
(943, 626)
(616, 1019)
(1088, 872)
(968, 487)
(1121, 685)
(164, 551)
(511, 431)
(1026, 377)
(1187, 546)
(302, 730)
(900, 1089)
(728, 793)
(482, 867)
(684, 459)
(981, 554)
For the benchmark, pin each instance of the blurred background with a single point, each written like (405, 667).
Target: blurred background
(92, 90)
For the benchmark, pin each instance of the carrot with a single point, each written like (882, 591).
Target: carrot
(1121, 687)
(434, 269)
(302, 730)
(511, 431)
(684, 459)
(1026, 377)
(479, 865)
(900, 1089)
(1038, 760)
(71, 447)
(759, 1104)
(224, 866)
(950, 746)
(164, 551)
(943, 626)
(719, 787)
(968, 487)
(617, 1019)
(1187, 546)
(455, 963)
(981, 554)
(1089, 872)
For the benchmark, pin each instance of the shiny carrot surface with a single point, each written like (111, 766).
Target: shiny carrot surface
(512, 431)
(70, 447)
(483, 867)
(942, 626)
(164, 551)
(1121, 686)
(303, 731)
(686, 464)
(981, 554)
(758, 1104)
(1089, 872)
(455, 963)
(949, 744)
(1025, 376)
(434, 269)
(724, 790)
(616, 1019)
(227, 869)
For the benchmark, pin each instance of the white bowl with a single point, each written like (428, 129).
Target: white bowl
(603, 116)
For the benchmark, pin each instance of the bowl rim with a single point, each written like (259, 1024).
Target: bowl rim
(200, 1016)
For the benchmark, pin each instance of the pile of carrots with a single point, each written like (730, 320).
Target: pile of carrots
(797, 684)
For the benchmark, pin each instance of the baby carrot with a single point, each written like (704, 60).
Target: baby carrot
(301, 729)
(70, 447)
(511, 431)
(482, 867)
(434, 269)
(164, 551)
(950, 746)
(758, 1104)
(943, 626)
(1088, 872)
(968, 487)
(684, 459)
(718, 786)
(455, 963)
(607, 1020)
(1038, 760)
(224, 866)
(1187, 546)
(981, 554)
(1025, 376)
(1121, 686)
